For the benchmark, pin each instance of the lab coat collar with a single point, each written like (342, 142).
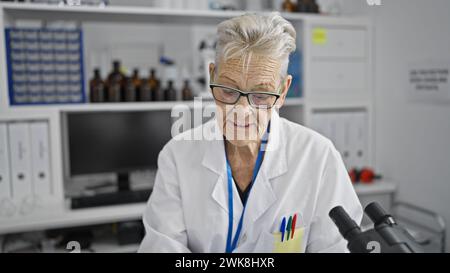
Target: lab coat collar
(275, 159)
(274, 164)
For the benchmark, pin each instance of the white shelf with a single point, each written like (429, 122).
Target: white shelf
(377, 187)
(111, 246)
(129, 106)
(69, 218)
(294, 102)
(122, 106)
(131, 14)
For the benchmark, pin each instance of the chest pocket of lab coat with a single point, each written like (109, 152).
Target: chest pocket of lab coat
(296, 243)
(271, 242)
(293, 244)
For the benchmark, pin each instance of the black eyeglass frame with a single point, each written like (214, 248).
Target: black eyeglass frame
(246, 94)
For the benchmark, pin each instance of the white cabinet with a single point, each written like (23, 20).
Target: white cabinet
(339, 42)
(338, 60)
(338, 77)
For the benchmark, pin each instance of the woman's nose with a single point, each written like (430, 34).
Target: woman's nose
(241, 109)
(243, 102)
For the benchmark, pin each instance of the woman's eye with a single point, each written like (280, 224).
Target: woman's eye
(260, 97)
(228, 92)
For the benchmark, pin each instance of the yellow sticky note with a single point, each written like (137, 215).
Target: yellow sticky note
(291, 245)
(319, 36)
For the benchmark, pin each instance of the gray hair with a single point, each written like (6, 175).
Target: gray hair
(263, 34)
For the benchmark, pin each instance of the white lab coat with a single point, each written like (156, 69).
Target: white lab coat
(302, 173)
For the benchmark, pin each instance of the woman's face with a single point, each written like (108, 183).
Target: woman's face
(242, 123)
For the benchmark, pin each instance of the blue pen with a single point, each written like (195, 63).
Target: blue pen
(283, 228)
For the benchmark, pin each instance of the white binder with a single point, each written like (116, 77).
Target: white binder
(321, 124)
(347, 144)
(337, 131)
(317, 123)
(40, 164)
(360, 138)
(5, 181)
(352, 161)
(20, 160)
(7, 207)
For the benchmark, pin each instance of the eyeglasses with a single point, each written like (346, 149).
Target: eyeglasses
(257, 99)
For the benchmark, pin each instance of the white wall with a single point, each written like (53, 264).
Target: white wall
(412, 139)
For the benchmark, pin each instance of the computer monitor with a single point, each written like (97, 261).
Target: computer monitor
(119, 142)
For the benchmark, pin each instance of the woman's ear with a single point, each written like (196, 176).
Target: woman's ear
(211, 70)
(286, 85)
(211, 74)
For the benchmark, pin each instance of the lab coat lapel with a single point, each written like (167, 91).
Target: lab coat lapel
(220, 195)
(214, 160)
(275, 158)
(262, 196)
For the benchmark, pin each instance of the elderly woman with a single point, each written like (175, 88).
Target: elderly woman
(252, 181)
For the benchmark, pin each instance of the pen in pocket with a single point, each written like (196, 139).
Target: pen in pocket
(283, 228)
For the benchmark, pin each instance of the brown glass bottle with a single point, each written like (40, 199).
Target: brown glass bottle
(132, 86)
(136, 80)
(154, 85)
(144, 92)
(186, 93)
(129, 90)
(288, 6)
(115, 83)
(170, 94)
(308, 6)
(97, 87)
(314, 8)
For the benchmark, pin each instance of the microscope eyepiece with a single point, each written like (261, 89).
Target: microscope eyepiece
(347, 227)
(378, 215)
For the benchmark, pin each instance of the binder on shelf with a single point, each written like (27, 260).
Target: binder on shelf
(7, 207)
(320, 124)
(295, 70)
(5, 181)
(348, 132)
(347, 123)
(40, 164)
(315, 123)
(360, 139)
(352, 161)
(334, 131)
(20, 160)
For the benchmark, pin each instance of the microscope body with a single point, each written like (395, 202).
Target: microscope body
(386, 236)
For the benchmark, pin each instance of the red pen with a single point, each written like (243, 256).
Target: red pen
(293, 225)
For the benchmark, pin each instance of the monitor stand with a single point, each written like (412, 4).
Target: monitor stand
(124, 195)
(123, 182)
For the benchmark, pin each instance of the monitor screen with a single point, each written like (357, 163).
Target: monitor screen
(102, 142)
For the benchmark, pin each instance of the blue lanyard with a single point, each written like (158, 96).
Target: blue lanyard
(232, 242)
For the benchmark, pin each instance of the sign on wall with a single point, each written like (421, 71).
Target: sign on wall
(429, 82)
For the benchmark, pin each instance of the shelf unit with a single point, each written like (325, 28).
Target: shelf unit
(50, 219)
(58, 213)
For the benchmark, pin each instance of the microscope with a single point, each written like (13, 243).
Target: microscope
(385, 237)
